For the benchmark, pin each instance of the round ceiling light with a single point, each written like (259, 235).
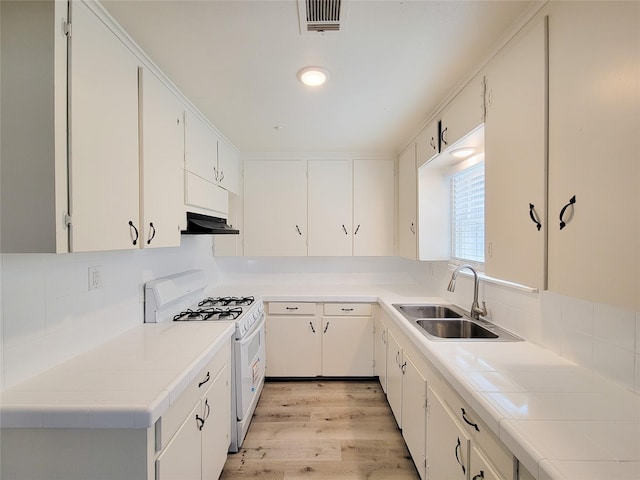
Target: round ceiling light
(313, 76)
(464, 152)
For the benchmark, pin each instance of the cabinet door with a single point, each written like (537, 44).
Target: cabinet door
(447, 444)
(228, 168)
(480, 468)
(373, 207)
(594, 146)
(380, 352)
(293, 346)
(104, 170)
(347, 346)
(330, 207)
(201, 148)
(515, 160)
(394, 377)
(217, 427)
(414, 402)
(427, 144)
(181, 458)
(407, 203)
(161, 163)
(463, 114)
(275, 208)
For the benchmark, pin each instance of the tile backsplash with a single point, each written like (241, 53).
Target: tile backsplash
(49, 315)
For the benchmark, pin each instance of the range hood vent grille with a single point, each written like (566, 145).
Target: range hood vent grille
(320, 16)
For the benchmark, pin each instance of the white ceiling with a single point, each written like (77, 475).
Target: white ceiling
(390, 68)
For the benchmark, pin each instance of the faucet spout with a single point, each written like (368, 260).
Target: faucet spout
(476, 309)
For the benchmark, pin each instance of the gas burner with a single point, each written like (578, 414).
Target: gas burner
(227, 301)
(209, 314)
(190, 315)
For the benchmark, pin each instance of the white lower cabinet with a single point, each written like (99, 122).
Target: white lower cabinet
(445, 437)
(380, 351)
(414, 400)
(198, 450)
(447, 444)
(309, 340)
(394, 377)
(181, 459)
(480, 468)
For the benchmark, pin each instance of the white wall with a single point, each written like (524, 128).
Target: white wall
(49, 315)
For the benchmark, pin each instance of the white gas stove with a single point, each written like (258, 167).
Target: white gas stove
(181, 298)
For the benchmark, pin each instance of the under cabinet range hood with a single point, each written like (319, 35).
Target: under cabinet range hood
(198, 224)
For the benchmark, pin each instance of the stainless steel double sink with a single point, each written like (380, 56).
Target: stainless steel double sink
(449, 322)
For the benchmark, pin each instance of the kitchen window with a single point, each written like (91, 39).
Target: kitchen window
(467, 214)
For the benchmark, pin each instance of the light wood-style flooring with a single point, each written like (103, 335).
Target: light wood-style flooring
(322, 430)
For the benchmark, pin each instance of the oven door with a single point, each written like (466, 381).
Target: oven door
(250, 372)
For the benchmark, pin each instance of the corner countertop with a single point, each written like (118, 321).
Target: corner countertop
(559, 419)
(127, 382)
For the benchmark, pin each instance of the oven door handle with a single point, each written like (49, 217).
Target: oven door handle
(255, 330)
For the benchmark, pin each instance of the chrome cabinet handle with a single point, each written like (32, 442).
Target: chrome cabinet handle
(459, 447)
(131, 225)
(572, 201)
(312, 329)
(534, 216)
(468, 422)
(152, 231)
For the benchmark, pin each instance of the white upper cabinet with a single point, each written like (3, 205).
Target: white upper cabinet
(161, 163)
(373, 207)
(209, 157)
(275, 215)
(594, 151)
(427, 143)
(341, 207)
(516, 161)
(407, 203)
(330, 208)
(203, 194)
(33, 172)
(201, 148)
(104, 187)
(228, 168)
(463, 114)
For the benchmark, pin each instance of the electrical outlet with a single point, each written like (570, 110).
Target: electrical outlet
(95, 278)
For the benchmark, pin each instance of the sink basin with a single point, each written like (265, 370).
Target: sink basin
(450, 322)
(460, 328)
(428, 311)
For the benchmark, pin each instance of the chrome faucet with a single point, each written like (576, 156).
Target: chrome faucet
(476, 309)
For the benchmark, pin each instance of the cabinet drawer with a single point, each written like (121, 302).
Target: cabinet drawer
(169, 423)
(292, 308)
(495, 451)
(343, 309)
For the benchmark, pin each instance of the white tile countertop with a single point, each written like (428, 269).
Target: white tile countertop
(128, 382)
(561, 420)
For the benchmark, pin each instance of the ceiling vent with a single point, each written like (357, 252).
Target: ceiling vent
(321, 16)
